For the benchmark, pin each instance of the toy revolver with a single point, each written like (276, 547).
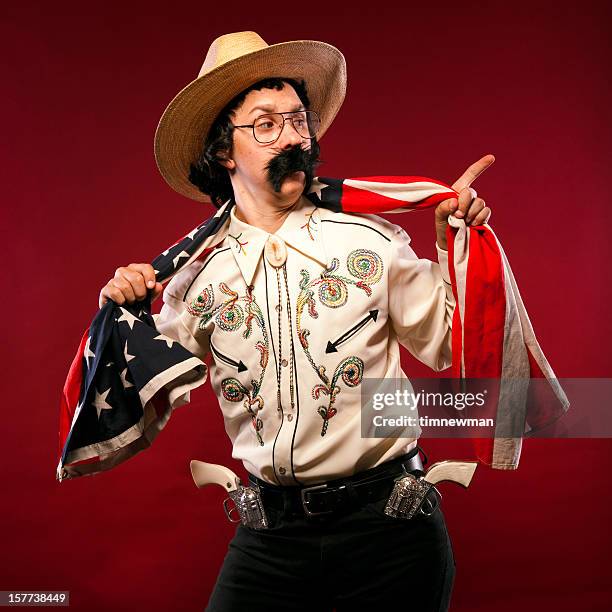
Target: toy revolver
(406, 498)
(409, 492)
(247, 500)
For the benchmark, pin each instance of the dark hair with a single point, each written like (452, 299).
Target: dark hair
(207, 174)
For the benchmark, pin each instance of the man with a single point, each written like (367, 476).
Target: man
(295, 306)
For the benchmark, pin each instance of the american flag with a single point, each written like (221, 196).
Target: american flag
(127, 378)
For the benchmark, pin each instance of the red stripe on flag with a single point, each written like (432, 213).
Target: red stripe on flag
(204, 254)
(71, 392)
(355, 199)
(435, 199)
(484, 319)
(456, 331)
(359, 200)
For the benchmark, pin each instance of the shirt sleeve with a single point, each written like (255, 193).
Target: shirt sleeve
(176, 322)
(421, 302)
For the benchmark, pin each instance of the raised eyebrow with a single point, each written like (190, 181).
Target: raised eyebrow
(267, 108)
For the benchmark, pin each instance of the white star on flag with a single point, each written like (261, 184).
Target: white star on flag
(192, 233)
(100, 402)
(127, 356)
(126, 383)
(181, 254)
(318, 189)
(167, 340)
(87, 353)
(129, 318)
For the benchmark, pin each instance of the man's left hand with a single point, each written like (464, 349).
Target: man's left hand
(467, 206)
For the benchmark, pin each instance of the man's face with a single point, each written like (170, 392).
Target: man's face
(253, 166)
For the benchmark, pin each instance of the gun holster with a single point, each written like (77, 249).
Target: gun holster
(248, 505)
(409, 496)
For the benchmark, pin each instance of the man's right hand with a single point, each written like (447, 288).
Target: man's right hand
(130, 284)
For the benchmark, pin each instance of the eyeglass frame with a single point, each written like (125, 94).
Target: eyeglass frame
(252, 125)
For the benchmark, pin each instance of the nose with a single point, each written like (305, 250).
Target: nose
(289, 136)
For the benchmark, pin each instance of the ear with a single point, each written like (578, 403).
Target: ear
(223, 157)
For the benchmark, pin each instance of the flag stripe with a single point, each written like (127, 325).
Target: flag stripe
(117, 399)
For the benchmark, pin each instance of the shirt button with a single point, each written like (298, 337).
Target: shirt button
(281, 470)
(279, 307)
(284, 363)
(290, 417)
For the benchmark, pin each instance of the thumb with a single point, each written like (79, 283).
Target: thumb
(446, 208)
(157, 290)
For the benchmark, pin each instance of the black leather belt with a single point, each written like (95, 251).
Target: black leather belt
(342, 494)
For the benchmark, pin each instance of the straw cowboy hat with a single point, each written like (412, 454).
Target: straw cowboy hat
(233, 63)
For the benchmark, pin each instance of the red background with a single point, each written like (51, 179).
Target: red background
(430, 91)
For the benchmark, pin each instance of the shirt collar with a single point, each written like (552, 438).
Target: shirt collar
(301, 230)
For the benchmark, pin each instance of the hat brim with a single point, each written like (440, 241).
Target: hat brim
(188, 118)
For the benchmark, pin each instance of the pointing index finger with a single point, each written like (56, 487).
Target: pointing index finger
(473, 172)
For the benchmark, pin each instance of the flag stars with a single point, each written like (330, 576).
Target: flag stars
(181, 254)
(127, 356)
(126, 383)
(317, 190)
(129, 318)
(87, 353)
(167, 340)
(100, 402)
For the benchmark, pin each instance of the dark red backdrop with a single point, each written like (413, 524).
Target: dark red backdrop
(430, 91)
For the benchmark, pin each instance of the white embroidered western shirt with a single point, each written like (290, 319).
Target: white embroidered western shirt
(290, 343)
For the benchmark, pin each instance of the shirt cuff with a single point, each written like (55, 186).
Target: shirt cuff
(443, 261)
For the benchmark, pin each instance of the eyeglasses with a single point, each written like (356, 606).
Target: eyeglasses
(267, 128)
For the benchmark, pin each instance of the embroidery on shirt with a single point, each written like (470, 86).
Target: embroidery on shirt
(230, 316)
(240, 245)
(332, 291)
(308, 223)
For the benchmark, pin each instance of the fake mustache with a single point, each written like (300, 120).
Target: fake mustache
(293, 160)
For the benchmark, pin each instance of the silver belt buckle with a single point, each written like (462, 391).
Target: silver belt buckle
(303, 492)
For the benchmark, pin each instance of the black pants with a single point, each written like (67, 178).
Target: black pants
(362, 560)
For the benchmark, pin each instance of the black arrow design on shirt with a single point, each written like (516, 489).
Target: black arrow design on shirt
(332, 346)
(236, 364)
